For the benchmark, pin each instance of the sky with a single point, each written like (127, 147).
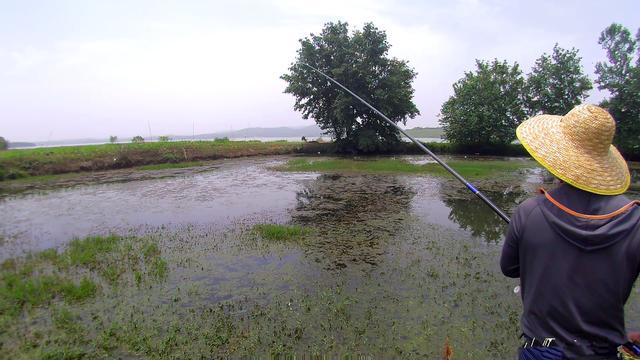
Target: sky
(91, 69)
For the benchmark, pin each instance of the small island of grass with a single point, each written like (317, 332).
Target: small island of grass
(276, 232)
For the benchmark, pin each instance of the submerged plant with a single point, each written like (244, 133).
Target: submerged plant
(280, 232)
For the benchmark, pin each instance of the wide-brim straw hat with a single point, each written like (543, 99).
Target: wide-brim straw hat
(577, 149)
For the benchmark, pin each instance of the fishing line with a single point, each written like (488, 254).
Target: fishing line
(422, 147)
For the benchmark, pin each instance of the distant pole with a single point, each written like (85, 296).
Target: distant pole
(149, 125)
(193, 128)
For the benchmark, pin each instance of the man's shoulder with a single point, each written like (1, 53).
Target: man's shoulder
(527, 206)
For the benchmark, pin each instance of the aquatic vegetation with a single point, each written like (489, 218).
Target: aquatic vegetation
(372, 277)
(466, 168)
(36, 285)
(423, 291)
(280, 232)
(89, 251)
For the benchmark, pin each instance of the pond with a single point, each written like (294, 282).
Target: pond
(393, 264)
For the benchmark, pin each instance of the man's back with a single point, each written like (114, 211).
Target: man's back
(576, 274)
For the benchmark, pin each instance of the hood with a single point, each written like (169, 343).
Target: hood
(586, 234)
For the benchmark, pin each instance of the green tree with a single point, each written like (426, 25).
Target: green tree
(621, 77)
(557, 83)
(163, 138)
(486, 107)
(360, 61)
(113, 139)
(4, 144)
(137, 139)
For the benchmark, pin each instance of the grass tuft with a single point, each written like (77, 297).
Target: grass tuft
(87, 252)
(75, 293)
(159, 268)
(280, 232)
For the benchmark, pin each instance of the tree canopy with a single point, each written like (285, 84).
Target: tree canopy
(360, 61)
(621, 77)
(556, 83)
(486, 107)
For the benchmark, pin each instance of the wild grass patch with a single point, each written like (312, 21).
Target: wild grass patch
(76, 274)
(276, 232)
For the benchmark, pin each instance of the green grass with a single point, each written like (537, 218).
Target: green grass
(466, 168)
(278, 232)
(159, 268)
(26, 289)
(88, 251)
(21, 163)
(40, 279)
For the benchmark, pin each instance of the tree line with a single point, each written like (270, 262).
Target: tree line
(487, 104)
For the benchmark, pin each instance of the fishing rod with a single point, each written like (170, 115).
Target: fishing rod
(422, 147)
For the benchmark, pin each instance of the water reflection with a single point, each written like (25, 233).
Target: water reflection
(353, 216)
(473, 215)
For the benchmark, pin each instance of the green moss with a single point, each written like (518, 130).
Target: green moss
(466, 168)
(280, 232)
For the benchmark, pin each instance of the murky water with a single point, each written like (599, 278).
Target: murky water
(395, 264)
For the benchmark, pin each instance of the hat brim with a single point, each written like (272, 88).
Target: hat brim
(606, 174)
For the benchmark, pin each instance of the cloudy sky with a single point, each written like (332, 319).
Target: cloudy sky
(78, 69)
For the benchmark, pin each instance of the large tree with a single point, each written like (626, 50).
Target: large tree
(360, 61)
(4, 144)
(621, 77)
(556, 83)
(486, 107)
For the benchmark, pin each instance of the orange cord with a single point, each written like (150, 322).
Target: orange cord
(586, 216)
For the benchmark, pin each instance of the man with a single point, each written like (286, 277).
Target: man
(575, 249)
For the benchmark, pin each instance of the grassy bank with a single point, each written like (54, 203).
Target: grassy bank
(22, 163)
(466, 168)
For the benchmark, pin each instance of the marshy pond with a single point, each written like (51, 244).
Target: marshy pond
(394, 261)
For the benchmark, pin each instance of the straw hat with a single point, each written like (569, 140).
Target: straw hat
(577, 149)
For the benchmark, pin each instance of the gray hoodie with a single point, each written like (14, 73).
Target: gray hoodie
(575, 274)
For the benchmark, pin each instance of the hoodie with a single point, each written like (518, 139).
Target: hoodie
(575, 274)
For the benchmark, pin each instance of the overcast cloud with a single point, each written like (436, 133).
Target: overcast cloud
(78, 69)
